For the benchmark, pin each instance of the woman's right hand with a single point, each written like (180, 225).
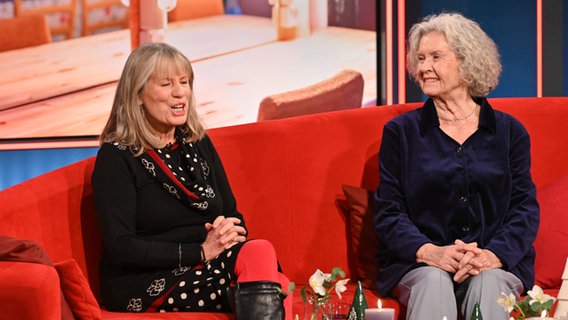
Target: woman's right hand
(222, 234)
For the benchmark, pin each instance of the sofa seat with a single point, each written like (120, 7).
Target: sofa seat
(166, 316)
(26, 296)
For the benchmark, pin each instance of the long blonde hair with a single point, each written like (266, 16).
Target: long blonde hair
(127, 124)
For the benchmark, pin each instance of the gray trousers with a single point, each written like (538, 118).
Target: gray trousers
(429, 293)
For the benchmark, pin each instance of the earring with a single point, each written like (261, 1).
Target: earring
(141, 106)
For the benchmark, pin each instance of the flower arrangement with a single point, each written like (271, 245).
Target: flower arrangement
(533, 305)
(321, 286)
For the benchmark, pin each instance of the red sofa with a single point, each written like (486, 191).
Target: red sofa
(288, 177)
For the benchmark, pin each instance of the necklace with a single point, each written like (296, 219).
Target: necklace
(459, 119)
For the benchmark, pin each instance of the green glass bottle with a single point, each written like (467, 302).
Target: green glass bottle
(476, 314)
(359, 304)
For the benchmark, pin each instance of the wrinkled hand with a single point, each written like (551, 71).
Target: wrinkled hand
(474, 261)
(446, 257)
(222, 234)
(462, 259)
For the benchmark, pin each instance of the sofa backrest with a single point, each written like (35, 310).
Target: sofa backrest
(545, 119)
(286, 175)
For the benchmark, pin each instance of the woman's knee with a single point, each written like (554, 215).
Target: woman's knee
(259, 247)
(428, 276)
(256, 260)
(497, 279)
(424, 280)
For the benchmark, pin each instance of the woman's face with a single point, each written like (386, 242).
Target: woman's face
(166, 101)
(438, 67)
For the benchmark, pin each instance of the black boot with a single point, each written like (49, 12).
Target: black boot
(257, 300)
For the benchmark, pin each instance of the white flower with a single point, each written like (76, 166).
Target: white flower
(316, 282)
(507, 302)
(340, 287)
(320, 285)
(535, 304)
(538, 295)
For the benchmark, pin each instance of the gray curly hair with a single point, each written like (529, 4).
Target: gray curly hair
(481, 66)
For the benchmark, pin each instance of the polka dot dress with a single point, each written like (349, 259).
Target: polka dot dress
(196, 290)
(204, 289)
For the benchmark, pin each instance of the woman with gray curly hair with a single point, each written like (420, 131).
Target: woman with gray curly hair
(457, 210)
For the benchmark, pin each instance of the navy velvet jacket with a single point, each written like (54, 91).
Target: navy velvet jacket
(434, 190)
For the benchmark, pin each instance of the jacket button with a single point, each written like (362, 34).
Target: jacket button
(459, 152)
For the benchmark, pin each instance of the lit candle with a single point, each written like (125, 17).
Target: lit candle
(379, 313)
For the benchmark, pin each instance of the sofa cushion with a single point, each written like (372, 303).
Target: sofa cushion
(361, 232)
(13, 249)
(77, 291)
(552, 236)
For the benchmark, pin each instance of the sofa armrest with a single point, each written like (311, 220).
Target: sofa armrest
(29, 291)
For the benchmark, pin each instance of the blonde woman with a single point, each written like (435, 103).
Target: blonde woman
(173, 237)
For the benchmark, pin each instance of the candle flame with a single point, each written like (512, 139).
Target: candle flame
(379, 304)
(444, 318)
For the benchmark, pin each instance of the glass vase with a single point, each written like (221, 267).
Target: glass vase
(318, 309)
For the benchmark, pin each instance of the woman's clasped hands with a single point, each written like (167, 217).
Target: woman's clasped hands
(222, 234)
(474, 260)
(462, 259)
